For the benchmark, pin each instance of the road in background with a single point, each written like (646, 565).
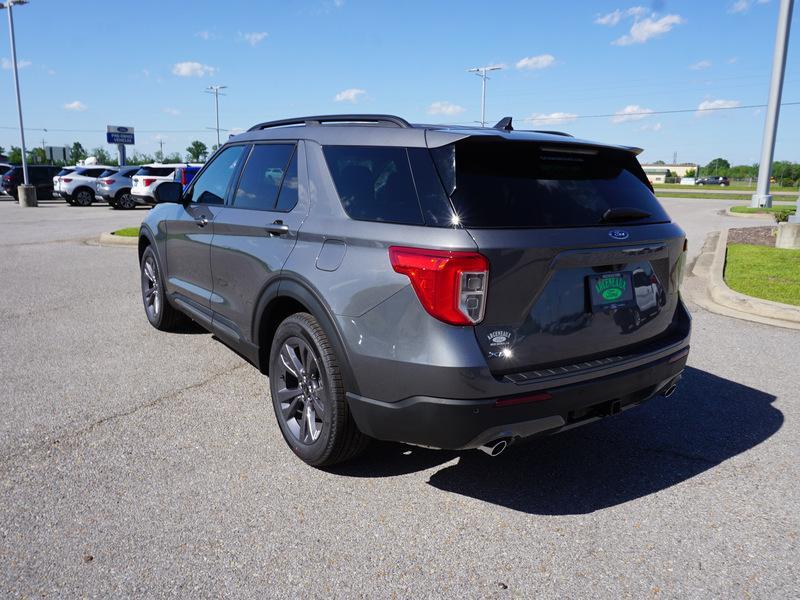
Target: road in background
(139, 463)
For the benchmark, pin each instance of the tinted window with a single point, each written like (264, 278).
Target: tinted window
(108, 173)
(262, 176)
(374, 183)
(156, 171)
(4, 168)
(211, 186)
(89, 172)
(128, 172)
(287, 199)
(520, 184)
(63, 172)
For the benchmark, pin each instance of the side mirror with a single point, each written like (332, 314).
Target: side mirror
(168, 191)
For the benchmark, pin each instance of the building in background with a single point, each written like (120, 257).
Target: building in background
(659, 172)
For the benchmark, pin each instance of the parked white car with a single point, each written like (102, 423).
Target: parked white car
(151, 176)
(57, 179)
(78, 187)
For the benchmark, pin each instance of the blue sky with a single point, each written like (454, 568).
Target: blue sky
(90, 63)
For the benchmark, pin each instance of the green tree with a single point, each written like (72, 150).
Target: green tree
(173, 158)
(15, 155)
(77, 152)
(103, 157)
(2, 150)
(197, 151)
(139, 159)
(690, 173)
(718, 166)
(37, 156)
(159, 156)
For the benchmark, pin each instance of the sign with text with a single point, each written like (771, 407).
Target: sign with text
(116, 134)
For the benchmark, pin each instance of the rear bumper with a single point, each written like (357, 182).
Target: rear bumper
(143, 199)
(460, 424)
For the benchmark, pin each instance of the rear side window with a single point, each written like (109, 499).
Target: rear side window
(374, 183)
(63, 172)
(520, 184)
(108, 173)
(156, 171)
(89, 172)
(128, 172)
(263, 175)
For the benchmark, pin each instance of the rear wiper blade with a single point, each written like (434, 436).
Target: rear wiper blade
(623, 213)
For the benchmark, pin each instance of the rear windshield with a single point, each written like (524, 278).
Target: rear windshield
(520, 184)
(63, 172)
(156, 171)
(108, 173)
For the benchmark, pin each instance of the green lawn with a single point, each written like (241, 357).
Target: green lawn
(760, 210)
(733, 186)
(703, 195)
(764, 272)
(127, 232)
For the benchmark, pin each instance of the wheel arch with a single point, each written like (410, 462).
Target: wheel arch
(287, 296)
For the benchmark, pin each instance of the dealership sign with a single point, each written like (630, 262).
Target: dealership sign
(119, 135)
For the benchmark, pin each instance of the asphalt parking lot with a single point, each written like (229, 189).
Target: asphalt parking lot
(139, 463)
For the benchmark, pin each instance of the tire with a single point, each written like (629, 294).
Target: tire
(124, 200)
(303, 365)
(83, 197)
(161, 314)
(69, 200)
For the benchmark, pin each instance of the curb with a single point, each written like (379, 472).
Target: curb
(713, 293)
(109, 239)
(748, 215)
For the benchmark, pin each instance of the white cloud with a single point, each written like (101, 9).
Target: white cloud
(76, 105)
(173, 112)
(21, 64)
(651, 127)
(733, 60)
(542, 61)
(553, 118)
(192, 69)
(254, 37)
(338, 3)
(443, 107)
(204, 35)
(609, 19)
(636, 11)
(349, 95)
(632, 112)
(742, 6)
(708, 106)
(645, 29)
(700, 65)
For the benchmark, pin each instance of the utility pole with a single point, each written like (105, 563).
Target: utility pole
(215, 89)
(762, 196)
(161, 147)
(9, 5)
(481, 72)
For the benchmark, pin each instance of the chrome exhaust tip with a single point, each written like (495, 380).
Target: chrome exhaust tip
(495, 448)
(669, 391)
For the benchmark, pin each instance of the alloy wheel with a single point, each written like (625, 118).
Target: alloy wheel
(83, 198)
(151, 288)
(301, 391)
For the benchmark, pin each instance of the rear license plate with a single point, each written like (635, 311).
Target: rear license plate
(610, 290)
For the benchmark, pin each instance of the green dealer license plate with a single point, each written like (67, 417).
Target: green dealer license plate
(610, 290)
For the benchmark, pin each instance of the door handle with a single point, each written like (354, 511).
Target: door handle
(201, 221)
(277, 228)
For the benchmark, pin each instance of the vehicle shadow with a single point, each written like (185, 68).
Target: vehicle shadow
(645, 450)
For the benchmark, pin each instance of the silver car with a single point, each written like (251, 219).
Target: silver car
(114, 186)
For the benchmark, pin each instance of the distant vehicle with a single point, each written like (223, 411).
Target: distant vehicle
(720, 181)
(184, 175)
(151, 176)
(58, 176)
(4, 167)
(40, 176)
(78, 188)
(114, 186)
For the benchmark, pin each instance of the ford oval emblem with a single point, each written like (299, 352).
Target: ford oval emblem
(618, 234)
(122, 129)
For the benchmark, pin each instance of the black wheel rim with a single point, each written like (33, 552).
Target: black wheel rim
(125, 201)
(151, 288)
(300, 394)
(83, 198)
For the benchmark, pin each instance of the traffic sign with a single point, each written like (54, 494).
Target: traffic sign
(116, 134)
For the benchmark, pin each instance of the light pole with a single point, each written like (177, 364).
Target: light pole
(9, 6)
(762, 196)
(481, 72)
(215, 89)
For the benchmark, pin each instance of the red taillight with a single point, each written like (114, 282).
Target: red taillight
(66, 179)
(450, 285)
(183, 177)
(522, 399)
(7, 178)
(107, 181)
(148, 182)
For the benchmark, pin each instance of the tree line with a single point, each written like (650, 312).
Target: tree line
(197, 151)
(785, 170)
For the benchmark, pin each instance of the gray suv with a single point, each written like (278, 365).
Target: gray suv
(449, 287)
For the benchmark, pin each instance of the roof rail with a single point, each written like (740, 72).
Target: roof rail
(316, 120)
(554, 132)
